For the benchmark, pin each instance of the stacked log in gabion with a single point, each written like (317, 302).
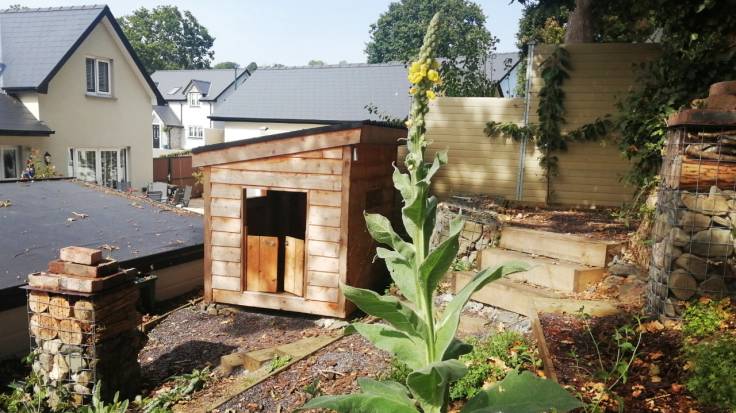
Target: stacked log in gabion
(83, 326)
(693, 250)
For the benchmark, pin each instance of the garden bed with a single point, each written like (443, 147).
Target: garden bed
(655, 382)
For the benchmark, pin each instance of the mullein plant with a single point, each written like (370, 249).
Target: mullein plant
(411, 331)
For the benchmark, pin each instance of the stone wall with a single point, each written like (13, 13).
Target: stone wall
(482, 229)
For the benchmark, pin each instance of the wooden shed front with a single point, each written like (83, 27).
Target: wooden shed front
(284, 215)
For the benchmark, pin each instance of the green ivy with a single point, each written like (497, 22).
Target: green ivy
(548, 135)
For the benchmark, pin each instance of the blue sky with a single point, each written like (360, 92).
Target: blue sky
(292, 32)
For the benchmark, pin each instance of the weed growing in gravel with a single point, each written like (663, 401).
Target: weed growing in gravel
(278, 362)
(183, 386)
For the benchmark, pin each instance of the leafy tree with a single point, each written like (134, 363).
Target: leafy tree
(413, 331)
(315, 62)
(342, 62)
(278, 65)
(226, 65)
(166, 38)
(464, 42)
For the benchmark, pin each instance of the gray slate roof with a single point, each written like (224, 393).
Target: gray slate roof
(218, 79)
(36, 226)
(15, 119)
(34, 41)
(167, 116)
(331, 92)
(498, 64)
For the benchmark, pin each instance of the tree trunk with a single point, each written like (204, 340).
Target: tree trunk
(580, 24)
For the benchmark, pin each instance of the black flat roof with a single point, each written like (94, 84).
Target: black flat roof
(36, 225)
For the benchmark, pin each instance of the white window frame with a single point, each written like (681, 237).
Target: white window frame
(195, 132)
(2, 163)
(193, 99)
(96, 75)
(123, 162)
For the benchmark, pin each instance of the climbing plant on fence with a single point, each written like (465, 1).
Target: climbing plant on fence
(411, 331)
(548, 135)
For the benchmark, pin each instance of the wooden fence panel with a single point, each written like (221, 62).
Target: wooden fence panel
(589, 172)
(176, 170)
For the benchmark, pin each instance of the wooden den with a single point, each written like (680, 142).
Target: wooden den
(284, 215)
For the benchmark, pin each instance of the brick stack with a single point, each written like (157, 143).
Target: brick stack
(83, 325)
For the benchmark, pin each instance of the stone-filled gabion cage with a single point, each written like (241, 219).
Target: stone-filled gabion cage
(693, 236)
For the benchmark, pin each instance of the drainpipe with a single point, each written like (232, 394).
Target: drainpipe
(527, 107)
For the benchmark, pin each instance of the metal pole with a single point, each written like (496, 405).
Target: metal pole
(527, 107)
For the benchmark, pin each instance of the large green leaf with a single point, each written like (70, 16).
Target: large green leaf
(456, 349)
(431, 384)
(440, 158)
(388, 389)
(402, 182)
(401, 272)
(436, 264)
(381, 230)
(523, 393)
(447, 328)
(429, 220)
(359, 403)
(414, 211)
(387, 308)
(412, 352)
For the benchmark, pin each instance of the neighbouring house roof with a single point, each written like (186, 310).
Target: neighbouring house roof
(15, 119)
(167, 116)
(499, 65)
(36, 225)
(319, 94)
(329, 136)
(173, 84)
(35, 43)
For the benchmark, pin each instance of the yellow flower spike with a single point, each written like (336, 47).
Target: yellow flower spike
(413, 90)
(431, 95)
(408, 123)
(433, 75)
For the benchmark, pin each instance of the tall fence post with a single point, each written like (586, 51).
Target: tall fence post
(527, 107)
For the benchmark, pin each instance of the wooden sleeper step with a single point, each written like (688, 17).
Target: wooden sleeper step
(557, 275)
(568, 247)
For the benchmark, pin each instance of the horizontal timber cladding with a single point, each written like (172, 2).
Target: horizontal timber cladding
(589, 172)
(278, 302)
(276, 179)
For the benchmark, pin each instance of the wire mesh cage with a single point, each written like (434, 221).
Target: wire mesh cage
(78, 340)
(693, 234)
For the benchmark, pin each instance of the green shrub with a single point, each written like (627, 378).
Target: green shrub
(704, 318)
(491, 359)
(712, 366)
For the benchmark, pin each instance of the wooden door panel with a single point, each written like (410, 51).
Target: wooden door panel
(262, 264)
(294, 266)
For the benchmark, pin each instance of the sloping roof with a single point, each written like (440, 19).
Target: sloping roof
(202, 86)
(320, 93)
(35, 43)
(15, 119)
(37, 220)
(167, 115)
(499, 64)
(177, 81)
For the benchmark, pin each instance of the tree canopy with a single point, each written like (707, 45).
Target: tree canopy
(464, 42)
(166, 38)
(316, 62)
(226, 65)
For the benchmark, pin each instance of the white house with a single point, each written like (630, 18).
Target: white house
(73, 88)
(191, 96)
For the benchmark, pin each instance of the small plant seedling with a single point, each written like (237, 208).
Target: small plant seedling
(278, 362)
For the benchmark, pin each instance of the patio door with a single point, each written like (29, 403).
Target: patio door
(103, 166)
(9, 158)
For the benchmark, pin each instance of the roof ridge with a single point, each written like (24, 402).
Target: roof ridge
(51, 9)
(194, 70)
(335, 66)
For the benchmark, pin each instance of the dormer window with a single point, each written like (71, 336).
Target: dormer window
(98, 76)
(193, 99)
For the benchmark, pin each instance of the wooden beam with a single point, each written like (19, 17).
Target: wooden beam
(279, 147)
(286, 302)
(207, 235)
(276, 179)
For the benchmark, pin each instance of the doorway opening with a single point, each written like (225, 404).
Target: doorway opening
(274, 228)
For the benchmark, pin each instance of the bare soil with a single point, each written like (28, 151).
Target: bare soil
(333, 370)
(656, 378)
(191, 339)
